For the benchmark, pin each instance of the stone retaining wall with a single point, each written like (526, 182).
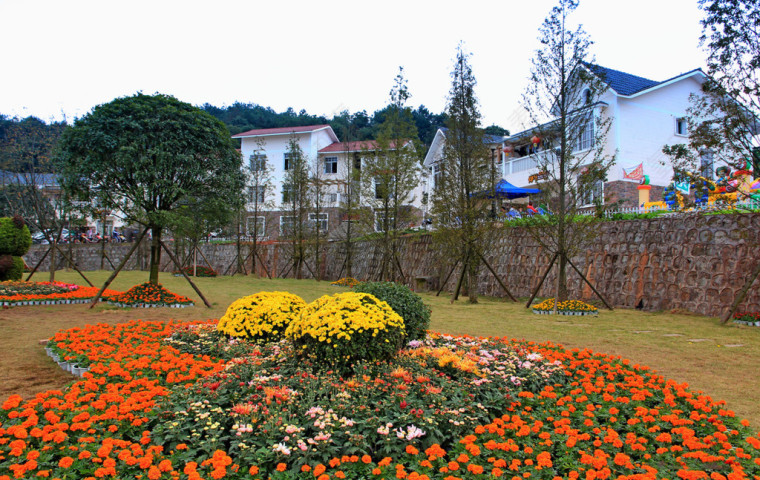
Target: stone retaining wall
(688, 262)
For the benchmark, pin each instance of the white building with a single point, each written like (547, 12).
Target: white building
(645, 116)
(329, 160)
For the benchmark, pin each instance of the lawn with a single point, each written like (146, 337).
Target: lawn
(719, 360)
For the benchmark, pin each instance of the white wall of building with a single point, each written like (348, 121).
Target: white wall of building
(275, 147)
(647, 122)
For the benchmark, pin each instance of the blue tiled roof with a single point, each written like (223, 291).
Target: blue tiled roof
(487, 139)
(623, 83)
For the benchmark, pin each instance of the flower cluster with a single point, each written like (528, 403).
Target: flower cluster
(277, 408)
(14, 293)
(747, 318)
(148, 294)
(523, 411)
(198, 271)
(346, 282)
(261, 316)
(403, 301)
(574, 306)
(96, 426)
(340, 329)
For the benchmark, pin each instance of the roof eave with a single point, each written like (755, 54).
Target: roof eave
(696, 72)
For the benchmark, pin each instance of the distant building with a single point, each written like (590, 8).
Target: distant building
(328, 158)
(645, 115)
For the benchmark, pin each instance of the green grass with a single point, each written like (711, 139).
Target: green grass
(686, 348)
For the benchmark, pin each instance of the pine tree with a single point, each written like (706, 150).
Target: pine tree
(461, 217)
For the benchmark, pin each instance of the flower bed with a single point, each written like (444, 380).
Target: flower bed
(346, 282)
(158, 409)
(149, 295)
(15, 293)
(745, 318)
(568, 307)
(200, 271)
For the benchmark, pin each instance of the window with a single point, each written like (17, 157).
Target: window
(286, 161)
(287, 224)
(256, 194)
(256, 226)
(331, 198)
(331, 164)
(593, 194)
(437, 176)
(318, 219)
(380, 221)
(682, 127)
(379, 189)
(287, 193)
(587, 96)
(706, 164)
(257, 162)
(585, 139)
(357, 162)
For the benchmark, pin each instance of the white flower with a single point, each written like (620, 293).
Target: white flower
(282, 448)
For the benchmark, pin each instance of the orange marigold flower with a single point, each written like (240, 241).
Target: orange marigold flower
(366, 459)
(65, 462)
(281, 467)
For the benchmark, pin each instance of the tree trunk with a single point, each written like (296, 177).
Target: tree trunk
(53, 261)
(155, 254)
(472, 279)
(562, 278)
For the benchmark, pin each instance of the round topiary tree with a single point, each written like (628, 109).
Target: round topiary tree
(339, 330)
(15, 240)
(403, 301)
(263, 316)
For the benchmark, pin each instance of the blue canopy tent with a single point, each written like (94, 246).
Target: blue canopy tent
(504, 189)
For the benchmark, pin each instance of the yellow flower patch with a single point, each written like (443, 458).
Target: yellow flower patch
(263, 315)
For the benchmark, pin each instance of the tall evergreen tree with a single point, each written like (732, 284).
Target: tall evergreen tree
(462, 226)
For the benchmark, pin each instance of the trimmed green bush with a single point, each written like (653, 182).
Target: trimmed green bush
(11, 268)
(15, 238)
(403, 301)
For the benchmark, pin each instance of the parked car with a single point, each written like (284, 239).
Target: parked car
(39, 237)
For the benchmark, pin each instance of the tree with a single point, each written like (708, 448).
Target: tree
(296, 205)
(349, 205)
(390, 175)
(144, 155)
(319, 200)
(29, 185)
(565, 89)
(725, 120)
(260, 189)
(462, 225)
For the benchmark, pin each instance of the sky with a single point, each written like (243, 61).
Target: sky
(62, 58)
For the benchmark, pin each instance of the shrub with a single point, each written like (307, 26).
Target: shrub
(11, 268)
(200, 271)
(15, 238)
(403, 301)
(261, 316)
(339, 330)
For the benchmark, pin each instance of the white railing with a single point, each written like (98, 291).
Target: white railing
(749, 204)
